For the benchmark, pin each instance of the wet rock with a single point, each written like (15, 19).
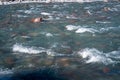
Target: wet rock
(48, 62)
(68, 51)
(64, 50)
(9, 62)
(77, 43)
(63, 62)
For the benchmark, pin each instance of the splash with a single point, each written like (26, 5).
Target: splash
(5, 71)
(19, 48)
(103, 22)
(20, 16)
(30, 50)
(108, 28)
(80, 29)
(49, 34)
(83, 30)
(25, 11)
(95, 56)
(89, 29)
(45, 13)
(71, 27)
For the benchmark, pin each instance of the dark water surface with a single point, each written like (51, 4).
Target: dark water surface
(75, 42)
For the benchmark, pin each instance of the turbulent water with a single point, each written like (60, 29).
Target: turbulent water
(74, 42)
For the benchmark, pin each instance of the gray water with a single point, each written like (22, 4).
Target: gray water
(75, 42)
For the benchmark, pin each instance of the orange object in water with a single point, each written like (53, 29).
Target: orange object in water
(36, 20)
(106, 70)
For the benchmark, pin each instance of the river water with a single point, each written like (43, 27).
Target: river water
(76, 41)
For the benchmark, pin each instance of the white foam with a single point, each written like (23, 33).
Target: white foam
(5, 71)
(57, 18)
(30, 50)
(114, 54)
(50, 53)
(49, 34)
(28, 11)
(20, 10)
(18, 48)
(71, 27)
(71, 17)
(19, 16)
(25, 11)
(49, 18)
(82, 30)
(55, 6)
(108, 28)
(25, 36)
(93, 55)
(103, 22)
(18, 2)
(45, 13)
(88, 12)
(54, 45)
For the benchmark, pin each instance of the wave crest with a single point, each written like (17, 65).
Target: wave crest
(83, 29)
(30, 50)
(5, 71)
(94, 55)
(19, 48)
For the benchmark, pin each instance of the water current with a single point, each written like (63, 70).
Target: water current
(76, 41)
